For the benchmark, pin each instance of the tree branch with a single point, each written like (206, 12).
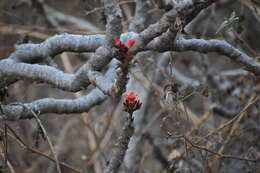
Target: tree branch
(138, 23)
(122, 146)
(32, 53)
(42, 73)
(14, 112)
(206, 46)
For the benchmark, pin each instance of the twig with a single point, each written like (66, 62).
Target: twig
(9, 165)
(102, 8)
(22, 143)
(101, 137)
(19, 31)
(48, 140)
(232, 130)
(251, 102)
(5, 146)
(216, 153)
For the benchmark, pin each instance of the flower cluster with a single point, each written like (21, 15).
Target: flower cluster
(123, 53)
(131, 104)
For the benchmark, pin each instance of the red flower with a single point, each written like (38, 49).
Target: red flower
(130, 43)
(122, 49)
(118, 43)
(131, 104)
(131, 98)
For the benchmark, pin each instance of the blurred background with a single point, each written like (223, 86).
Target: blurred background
(208, 90)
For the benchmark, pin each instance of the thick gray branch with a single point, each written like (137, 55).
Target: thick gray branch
(206, 46)
(15, 112)
(67, 42)
(13, 69)
(49, 105)
(113, 18)
(58, 44)
(106, 52)
(31, 53)
(45, 73)
(55, 45)
(186, 11)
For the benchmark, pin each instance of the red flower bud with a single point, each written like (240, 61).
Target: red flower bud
(131, 104)
(122, 49)
(118, 43)
(130, 43)
(130, 97)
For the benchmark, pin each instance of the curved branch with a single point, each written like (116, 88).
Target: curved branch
(14, 112)
(32, 53)
(67, 42)
(206, 46)
(55, 45)
(13, 69)
(105, 53)
(49, 105)
(42, 73)
(185, 10)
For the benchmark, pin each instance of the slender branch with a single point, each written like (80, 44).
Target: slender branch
(138, 23)
(23, 144)
(61, 17)
(122, 146)
(223, 111)
(22, 31)
(227, 156)
(48, 140)
(253, 100)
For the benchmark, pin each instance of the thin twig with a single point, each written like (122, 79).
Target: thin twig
(253, 99)
(216, 153)
(232, 130)
(251, 102)
(5, 146)
(97, 9)
(101, 137)
(23, 144)
(48, 140)
(9, 165)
